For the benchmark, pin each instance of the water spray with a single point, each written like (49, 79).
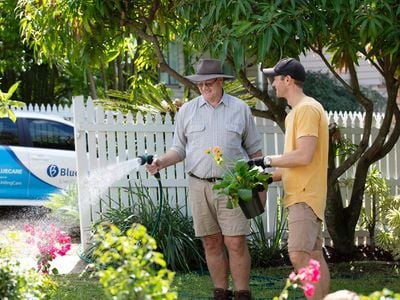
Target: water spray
(148, 159)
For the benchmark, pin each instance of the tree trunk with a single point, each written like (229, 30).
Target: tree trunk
(92, 85)
(336, 215)
(337, 220)
(341, 221)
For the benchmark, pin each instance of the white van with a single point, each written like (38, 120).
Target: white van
(37, 158)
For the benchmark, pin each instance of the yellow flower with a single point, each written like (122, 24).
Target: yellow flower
(208, 150)
(219, 160)
(217, 150)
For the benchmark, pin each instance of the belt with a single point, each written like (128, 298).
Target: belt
(209, 179)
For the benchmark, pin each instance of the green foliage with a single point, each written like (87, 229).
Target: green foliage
(11, 46)
(335, 97)
(130, 268)
(377, 191)
(39, 82)
(174, 235)
(329, 93)
(389, 237)
(18, 283)
(343, 148)
(6, 102)
(238, 180)
(381, 295)
(64, 205)
(112, 43)
(267, 251)
(144, 96)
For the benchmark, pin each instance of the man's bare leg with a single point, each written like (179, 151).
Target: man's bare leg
(301, 259)
(217, 261)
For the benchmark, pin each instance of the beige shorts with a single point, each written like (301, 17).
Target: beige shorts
(210, 214)
(305, 229)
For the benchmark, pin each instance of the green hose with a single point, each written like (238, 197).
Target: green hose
(157, 224)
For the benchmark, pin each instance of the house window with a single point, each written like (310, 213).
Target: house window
(173, 61)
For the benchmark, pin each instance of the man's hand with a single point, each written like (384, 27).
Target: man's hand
(259, 162)
(154, 167)
(260, 187)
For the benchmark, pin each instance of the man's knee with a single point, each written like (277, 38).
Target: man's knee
(213, 243)
(299, 259)
(236, 244)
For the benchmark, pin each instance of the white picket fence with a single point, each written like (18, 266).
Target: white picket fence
(106, 142)
(60, 110)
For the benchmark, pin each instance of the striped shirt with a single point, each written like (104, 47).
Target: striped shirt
(199, 126)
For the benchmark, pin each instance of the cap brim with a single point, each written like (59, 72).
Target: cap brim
(269, 72)
(199, 78)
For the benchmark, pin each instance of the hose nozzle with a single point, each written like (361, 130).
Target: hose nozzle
(148, 159)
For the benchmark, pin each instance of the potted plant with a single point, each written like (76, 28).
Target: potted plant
(241, 183)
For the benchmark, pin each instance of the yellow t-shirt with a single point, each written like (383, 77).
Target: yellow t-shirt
(307, 183)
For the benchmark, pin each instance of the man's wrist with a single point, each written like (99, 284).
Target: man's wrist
(267, 161)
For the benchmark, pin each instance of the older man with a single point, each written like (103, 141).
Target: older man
(215, 119)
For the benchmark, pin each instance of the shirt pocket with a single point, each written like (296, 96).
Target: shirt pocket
(195, 133)
(234, 135)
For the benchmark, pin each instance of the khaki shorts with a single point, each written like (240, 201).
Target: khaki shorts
(210, 214)
(305, 229)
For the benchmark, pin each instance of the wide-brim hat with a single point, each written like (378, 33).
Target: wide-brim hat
(208, 69)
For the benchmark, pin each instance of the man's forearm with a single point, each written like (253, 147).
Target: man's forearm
(170, 158)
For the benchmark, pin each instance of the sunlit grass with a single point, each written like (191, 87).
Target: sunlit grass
(361, 277)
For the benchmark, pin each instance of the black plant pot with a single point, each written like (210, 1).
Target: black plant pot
(252, 208)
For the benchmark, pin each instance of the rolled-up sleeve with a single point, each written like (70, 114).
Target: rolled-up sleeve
(179, 140)
(251, 136)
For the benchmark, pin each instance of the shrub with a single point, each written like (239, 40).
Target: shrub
(267, 251)
(18, 283)
(389, 237)
(64, 206)
(172, 230)
(377, 188)
(130, 268)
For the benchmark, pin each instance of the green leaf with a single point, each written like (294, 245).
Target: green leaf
(112, 55)
(229, 204)
(245, 194)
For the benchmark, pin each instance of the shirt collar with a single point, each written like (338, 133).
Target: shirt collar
(224, 99)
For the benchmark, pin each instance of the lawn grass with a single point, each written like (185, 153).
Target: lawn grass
(361, 277)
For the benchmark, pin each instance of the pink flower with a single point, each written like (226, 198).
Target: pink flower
(308, 290)
(50, 243)
(304, 279)
(292, 277)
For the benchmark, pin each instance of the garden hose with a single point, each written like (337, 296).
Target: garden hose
(148, 159)
(157, 224)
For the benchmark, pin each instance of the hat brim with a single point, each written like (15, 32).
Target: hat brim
(269, 72)
(199, 78)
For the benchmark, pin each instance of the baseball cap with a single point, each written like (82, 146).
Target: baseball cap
(287, 66)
